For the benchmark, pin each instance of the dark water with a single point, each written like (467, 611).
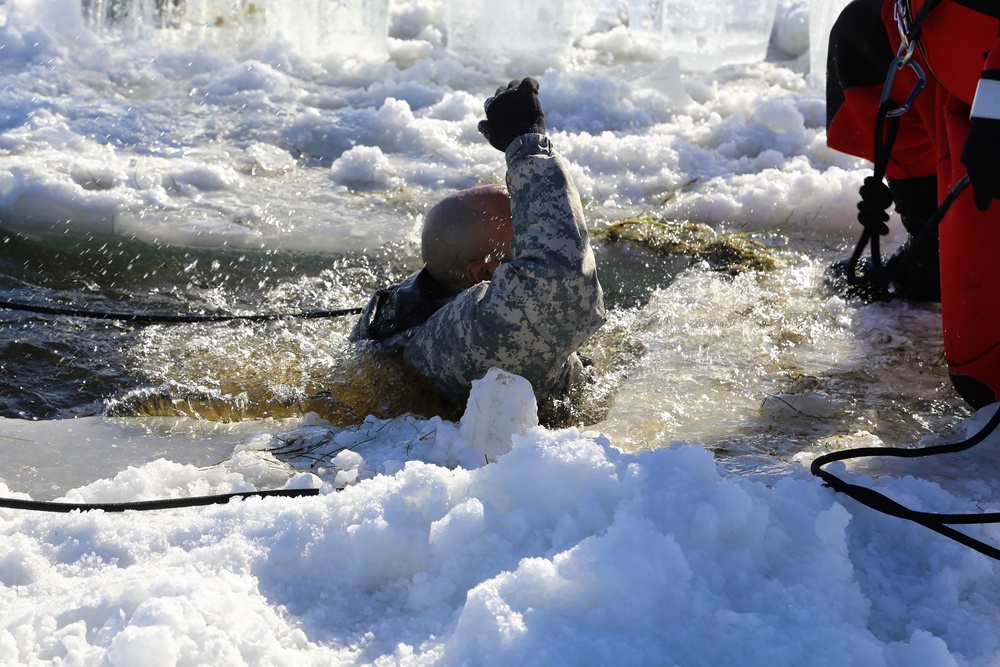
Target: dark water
(55, 366)
(60, 366)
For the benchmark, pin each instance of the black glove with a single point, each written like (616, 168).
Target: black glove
(513, 111)
(981, 153)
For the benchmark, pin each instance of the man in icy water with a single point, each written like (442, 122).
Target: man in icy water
(508, 281)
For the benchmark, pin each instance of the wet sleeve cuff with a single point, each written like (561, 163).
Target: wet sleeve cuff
(530, 144)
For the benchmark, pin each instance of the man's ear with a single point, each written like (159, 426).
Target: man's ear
(477, 270)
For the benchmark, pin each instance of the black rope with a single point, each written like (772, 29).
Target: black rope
(142, 318)
(875, 194)
(144, 505)
(875, 200)
(938, 522)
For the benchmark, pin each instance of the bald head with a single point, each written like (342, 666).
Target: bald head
(467, 235)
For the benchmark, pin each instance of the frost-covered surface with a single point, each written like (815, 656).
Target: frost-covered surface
(167, 137)
(563, 551)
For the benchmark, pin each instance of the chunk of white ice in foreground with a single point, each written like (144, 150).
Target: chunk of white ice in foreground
(501, 405)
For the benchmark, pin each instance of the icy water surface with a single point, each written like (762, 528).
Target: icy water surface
(175, 169)
(759, 361)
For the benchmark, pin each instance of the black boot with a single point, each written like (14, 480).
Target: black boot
(975, 393)
(912, 272)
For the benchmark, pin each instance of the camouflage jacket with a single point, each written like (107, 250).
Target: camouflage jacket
(536, 311)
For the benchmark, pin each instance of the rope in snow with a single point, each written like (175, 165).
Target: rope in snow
(142, 505)
(940, 523)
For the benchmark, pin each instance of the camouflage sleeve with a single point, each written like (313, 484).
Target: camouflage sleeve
(540, 307)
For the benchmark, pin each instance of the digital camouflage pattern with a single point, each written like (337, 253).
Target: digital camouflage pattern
(538, 309)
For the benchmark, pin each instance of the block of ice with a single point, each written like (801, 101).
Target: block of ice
(316, 28)
(500, 32)
(325, 27)
(663, 76)
(822, 15)
(104, 16)
(791, 27)
(500, 406)
(645, 16)
(704, 36)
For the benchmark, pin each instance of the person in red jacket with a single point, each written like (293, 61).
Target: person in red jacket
(952, 128)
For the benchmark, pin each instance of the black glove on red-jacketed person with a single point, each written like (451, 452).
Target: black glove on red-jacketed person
(981, 153)
(514, 110)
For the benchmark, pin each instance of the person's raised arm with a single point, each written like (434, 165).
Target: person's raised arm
(537, 309)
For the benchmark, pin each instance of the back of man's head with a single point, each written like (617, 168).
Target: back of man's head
(465, 232)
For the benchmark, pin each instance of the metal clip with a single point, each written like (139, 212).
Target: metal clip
(904, 58)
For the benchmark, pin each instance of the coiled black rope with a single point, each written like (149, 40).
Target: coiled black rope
(143, 505)
(142, 318)
(875, 200)
(940, 523)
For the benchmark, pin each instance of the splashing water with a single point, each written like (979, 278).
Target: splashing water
(199, 157)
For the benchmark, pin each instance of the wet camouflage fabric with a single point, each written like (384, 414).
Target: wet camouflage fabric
(539, 308)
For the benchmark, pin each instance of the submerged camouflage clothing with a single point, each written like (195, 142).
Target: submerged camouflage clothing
(536, 311)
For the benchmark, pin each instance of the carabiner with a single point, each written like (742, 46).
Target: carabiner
(904, 59)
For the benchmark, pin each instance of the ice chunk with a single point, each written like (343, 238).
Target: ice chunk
(499, 32)
(791, 27)
(500, 406)
(320, 28)
(704, 36)
(645, 16)
(316, 28)
(822, 15)
(664, 76)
